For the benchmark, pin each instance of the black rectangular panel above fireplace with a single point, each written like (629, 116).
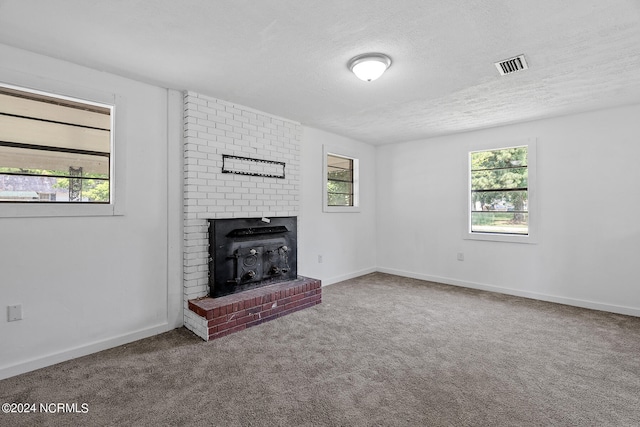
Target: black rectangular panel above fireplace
(246, 253)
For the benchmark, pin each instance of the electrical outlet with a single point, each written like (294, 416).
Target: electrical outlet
(14, 312)
(319, 259)
(460, 256)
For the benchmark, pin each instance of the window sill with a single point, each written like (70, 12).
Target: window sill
(341, 209)
(509, 238)
(22, 210)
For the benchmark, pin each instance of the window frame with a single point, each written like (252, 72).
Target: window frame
(532, 236)
(73, 93)
(337, 152)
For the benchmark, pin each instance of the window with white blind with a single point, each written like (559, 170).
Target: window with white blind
(54, 149)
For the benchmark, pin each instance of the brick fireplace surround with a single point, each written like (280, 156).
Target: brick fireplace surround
(235, 312)
(213, 127)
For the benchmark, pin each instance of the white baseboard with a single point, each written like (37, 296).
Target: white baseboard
(336, 279)
(629, 311)
(84, 350)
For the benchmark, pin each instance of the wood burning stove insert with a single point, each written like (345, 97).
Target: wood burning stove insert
(246, 253)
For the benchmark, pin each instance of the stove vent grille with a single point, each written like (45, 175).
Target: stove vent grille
(511, 65)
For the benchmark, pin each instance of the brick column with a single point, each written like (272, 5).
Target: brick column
(213, 127)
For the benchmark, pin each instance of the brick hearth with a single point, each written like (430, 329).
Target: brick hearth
(235, 312)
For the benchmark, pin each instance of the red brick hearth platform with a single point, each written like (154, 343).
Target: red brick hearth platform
(235, 312)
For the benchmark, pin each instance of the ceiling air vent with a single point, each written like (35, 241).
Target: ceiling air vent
(512, 65)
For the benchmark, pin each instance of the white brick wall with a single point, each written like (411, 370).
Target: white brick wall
(213, 127)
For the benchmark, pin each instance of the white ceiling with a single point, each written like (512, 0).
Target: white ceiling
(288, 57)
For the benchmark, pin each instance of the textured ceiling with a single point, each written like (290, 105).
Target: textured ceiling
(289, 58)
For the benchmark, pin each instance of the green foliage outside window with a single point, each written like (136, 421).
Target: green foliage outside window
(339, 181)
(93, 190)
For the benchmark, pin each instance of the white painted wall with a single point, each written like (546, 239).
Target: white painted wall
(346, 241)
(588, 194)
(89, 283)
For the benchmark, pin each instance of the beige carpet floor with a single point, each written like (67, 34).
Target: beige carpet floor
(380, 350)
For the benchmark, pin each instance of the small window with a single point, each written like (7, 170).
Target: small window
(501, 181)
(339, 181)
(54, 149)
(341, 193)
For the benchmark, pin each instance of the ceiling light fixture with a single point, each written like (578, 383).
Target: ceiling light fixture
(369, 66)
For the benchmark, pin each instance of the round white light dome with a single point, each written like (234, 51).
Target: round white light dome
(369, 66)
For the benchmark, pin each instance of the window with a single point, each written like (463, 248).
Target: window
(341, 192)
(339, 181)
(54, 149)
(500, 196)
